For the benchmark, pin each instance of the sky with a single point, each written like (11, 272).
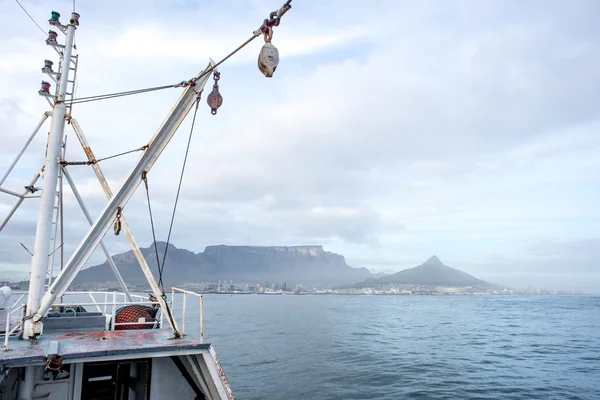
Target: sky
(390, 132)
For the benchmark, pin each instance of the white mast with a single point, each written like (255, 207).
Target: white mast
(41, 249)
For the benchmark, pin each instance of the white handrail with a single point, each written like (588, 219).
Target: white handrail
(183, 311)
(114, 314)
(16, 303)
(94, 300)
(7, 329)
(118, 303)
(111, 305)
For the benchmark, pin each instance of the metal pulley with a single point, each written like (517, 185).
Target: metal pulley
(268, 59)
(215, 100)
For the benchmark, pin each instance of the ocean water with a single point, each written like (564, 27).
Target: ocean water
(407, 347)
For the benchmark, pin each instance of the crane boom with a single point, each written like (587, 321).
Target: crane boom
(119, 200)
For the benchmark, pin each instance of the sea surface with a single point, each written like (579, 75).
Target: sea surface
(407, 347)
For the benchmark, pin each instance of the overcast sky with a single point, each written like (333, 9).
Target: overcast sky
(391, 131)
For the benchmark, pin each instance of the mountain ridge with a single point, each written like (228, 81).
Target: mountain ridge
(304, 264)
(430, 273)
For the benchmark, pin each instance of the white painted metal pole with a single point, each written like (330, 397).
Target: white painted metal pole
(35, 131)
(183, 315)
(7, 329)
(62, 211)
(109, 259)
(114, 311)
(53, 254)
(41, 249)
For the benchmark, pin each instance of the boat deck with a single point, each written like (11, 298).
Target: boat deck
(82, 345)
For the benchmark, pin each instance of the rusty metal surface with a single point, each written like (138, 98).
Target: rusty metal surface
(215, 100)
(77, 345)
(224, 380)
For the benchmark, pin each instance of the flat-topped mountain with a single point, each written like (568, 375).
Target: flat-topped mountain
(431, 273)
(306, 265)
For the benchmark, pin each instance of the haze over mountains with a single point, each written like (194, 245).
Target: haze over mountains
(306, 265)
(431, 273)
(310, 266)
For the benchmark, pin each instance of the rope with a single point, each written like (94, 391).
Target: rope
(31, 18)
(180, 181)
(160, 282)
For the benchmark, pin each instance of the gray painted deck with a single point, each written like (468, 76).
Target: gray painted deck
(81, 345)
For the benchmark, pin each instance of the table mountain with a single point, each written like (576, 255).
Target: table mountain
(306, 265)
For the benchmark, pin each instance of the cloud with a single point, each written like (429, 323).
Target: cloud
(441, 128)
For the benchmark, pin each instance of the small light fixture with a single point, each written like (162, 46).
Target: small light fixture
(74, 19)
(54, 16)
(52, 36)
(45, 90)
(47, 66)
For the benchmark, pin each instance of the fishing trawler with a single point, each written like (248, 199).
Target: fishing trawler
(110, 345)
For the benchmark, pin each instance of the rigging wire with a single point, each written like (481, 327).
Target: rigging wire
(26, 249)
(187, 149)
(161, 266)
(267, 26)
(31, 18)
(121, 94)
(254, 36)
(122, 154)
(92, 162)
(145, 179)
(16, 286)
(160, 281)
(56, 249)
(80, 100)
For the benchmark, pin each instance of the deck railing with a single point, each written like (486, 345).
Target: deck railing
(200, 300)
(8, 332)
(108, 303)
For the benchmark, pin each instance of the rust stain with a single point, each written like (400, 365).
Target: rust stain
(90, 335)
(89, 153)
(230, 395)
